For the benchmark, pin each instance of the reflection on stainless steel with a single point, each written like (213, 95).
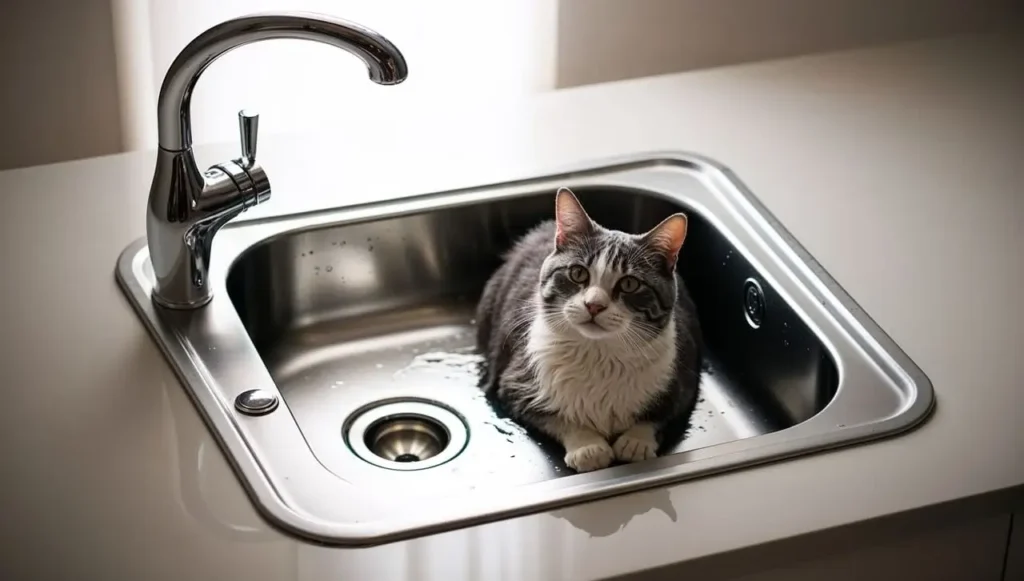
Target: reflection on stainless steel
(406, 439)
(815, 373)
(188, 207)
(204, 489)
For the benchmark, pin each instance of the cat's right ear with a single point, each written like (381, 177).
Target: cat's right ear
(571, 220)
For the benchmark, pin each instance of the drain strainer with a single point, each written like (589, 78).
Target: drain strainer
(753, 302)
(406, 435)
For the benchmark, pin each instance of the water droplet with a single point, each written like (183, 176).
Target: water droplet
(500, 430)
(344, 242)
(311, 253)
(330, 268)
(371, 248)
(303, 253)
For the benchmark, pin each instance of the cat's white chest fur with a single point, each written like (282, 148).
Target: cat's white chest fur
(602, 385)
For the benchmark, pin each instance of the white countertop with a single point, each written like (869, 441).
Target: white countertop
(896, 167)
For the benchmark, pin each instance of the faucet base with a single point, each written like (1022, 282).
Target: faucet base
(182, 306)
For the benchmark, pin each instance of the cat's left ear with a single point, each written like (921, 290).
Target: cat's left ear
(667, 237)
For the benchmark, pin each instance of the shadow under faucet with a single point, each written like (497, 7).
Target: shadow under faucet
(187, 207)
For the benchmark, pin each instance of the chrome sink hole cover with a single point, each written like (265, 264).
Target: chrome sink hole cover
(406, 435)
(406, 438)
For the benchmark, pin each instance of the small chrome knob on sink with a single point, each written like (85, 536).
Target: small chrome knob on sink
(187, 207)
(256, 402)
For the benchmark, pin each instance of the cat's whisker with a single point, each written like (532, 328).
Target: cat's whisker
(638, 343)
(527, 313)
(635, 344)
(653, 330)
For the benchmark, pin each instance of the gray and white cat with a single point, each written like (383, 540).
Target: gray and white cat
(590, 336)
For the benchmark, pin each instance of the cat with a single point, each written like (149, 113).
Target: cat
(590, 336)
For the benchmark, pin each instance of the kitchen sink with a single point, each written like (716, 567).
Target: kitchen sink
(336, 363)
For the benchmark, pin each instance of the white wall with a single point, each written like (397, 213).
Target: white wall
(606, 40)
(458, 51)
(58, 98)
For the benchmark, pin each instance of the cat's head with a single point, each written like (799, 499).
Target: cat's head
(603, 283)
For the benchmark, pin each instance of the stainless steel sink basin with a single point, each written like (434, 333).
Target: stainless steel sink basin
(356, 324)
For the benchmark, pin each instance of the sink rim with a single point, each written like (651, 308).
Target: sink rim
(289, 511)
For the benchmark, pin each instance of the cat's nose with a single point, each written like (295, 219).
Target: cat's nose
(594, 307)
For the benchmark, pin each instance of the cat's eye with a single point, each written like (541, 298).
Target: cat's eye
(578, 274)
(628, 284)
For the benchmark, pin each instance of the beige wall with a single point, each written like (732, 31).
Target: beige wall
(58, 98)
(606, 40)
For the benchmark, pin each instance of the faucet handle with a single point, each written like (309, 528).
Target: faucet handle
(248, 128)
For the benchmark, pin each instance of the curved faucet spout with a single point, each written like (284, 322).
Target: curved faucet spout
(187, 206)
(384, 61)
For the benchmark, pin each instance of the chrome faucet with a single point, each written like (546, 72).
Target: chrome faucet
(187, 207)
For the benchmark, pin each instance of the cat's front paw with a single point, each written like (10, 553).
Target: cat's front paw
(590, 456)
(635, 445)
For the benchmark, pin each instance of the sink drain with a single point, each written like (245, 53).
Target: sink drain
(753, 302)
(406, 439)
(406, 435)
